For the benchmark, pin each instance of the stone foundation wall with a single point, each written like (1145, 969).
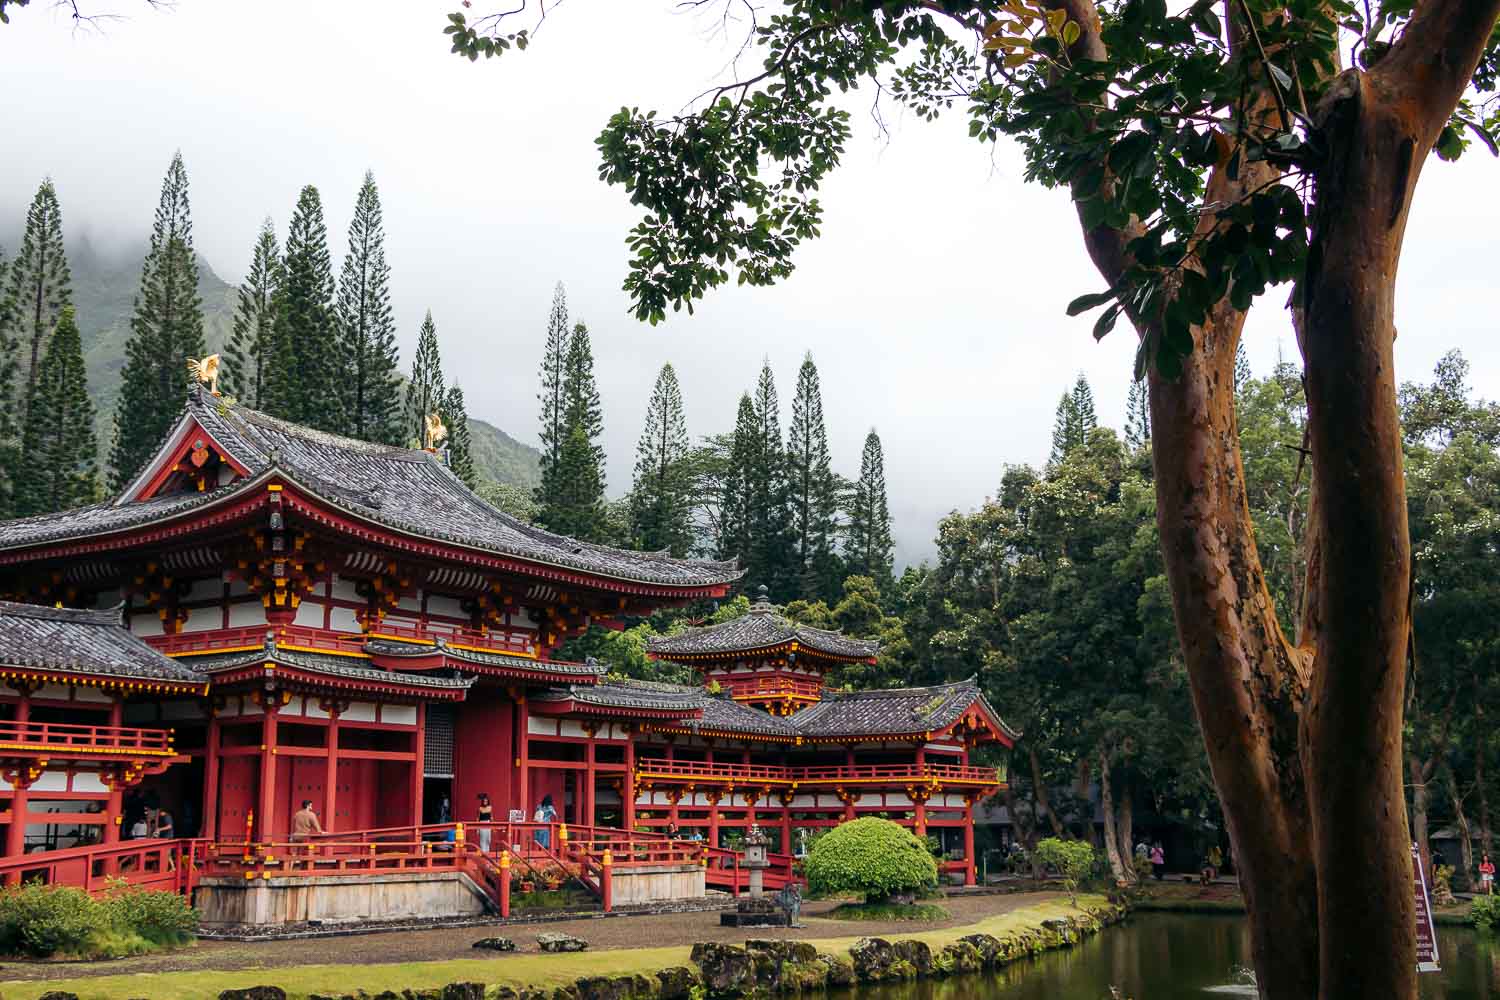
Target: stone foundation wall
(657, 883)
(230, 903)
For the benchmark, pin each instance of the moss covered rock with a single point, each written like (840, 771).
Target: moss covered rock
(676, 983)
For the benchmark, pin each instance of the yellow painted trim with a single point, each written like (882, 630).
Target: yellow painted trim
(60, 751)
(213, 652)
(323, 652)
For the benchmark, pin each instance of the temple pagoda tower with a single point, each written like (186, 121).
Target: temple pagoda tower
(763, 659)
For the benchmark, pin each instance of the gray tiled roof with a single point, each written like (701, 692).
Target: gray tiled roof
(721, 714)
(329, 666)
(890, 711)
(408, 490)
(386, 647)
(628, 694)
(760, 628)
(85, 642)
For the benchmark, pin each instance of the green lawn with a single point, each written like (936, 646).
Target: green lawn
(509, 970)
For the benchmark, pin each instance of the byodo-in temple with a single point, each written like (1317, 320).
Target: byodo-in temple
(270, 615)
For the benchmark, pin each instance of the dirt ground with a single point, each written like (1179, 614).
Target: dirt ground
(633, 931)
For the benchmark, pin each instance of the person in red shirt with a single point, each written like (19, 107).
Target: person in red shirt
(1487, 875)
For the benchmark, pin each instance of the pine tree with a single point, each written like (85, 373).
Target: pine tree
(248, 355)
(660, 515)
(579, 510)
(813, 490)
(868, 546)
(770, 518)
(460, 446)
(367, 332)
(1241, 366)
(165, 331)
(1137, 416)
(577, 505)
(1075, 418)
(305, 384)
(10, 430)
(1083, 405)
(38, 290)
(735, 539)
(553, 373)
(59, 468)
(424, 392)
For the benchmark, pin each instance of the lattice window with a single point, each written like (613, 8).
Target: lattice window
(437, 756)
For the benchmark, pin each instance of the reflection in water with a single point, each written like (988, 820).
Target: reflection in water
(1180, 957)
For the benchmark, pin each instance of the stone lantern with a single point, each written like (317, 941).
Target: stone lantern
(756, 860)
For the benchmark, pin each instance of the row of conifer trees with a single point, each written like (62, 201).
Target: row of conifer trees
(772, 502)
(304, 347)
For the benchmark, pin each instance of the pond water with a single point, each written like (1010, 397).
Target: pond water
(1180, 957)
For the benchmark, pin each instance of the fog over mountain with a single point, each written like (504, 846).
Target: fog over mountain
(933, 302)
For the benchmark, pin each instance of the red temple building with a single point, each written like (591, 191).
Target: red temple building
(270, 614)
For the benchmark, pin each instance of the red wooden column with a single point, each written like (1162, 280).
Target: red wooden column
(968, 840)
(15, 834)
(211, 777)
(331, 778)
(627, 787)
(418, 764)
(675, 794)
(586, 793)
(266, 814)
(523, 761)
(115, 804)
(920, 803)
(714, 798)
(849, 771)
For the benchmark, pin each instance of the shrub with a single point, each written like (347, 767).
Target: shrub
(164, 919)
(875, 857)
(1072, 858)
(887, 911)
(43, 920)
(1485, 913)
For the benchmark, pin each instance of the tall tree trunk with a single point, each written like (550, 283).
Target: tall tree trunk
(1126, 828)
(1465, 876)
(1039, 791)
(1107, 807)
(1479, 753)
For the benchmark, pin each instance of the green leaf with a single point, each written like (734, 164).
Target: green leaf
(1090, 301)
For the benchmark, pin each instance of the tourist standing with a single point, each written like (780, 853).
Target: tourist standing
(545, 814)
(1486, 875)
(305, 822)
(1158, 861)
(164, 829)
(486, 815)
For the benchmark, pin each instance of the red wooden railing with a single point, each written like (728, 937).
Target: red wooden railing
(776, 774)
(454, 635)
(590, 855)
(245, 636)
(770, 686)
(58, 738)
(152, 864)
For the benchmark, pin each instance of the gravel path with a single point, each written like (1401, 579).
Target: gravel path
(448, 943)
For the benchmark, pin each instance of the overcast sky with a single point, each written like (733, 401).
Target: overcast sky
(933, 303)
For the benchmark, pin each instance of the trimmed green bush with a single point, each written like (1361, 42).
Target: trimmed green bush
(875, 857)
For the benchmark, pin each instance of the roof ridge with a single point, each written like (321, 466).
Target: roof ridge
(248, 417)
(112, 616)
